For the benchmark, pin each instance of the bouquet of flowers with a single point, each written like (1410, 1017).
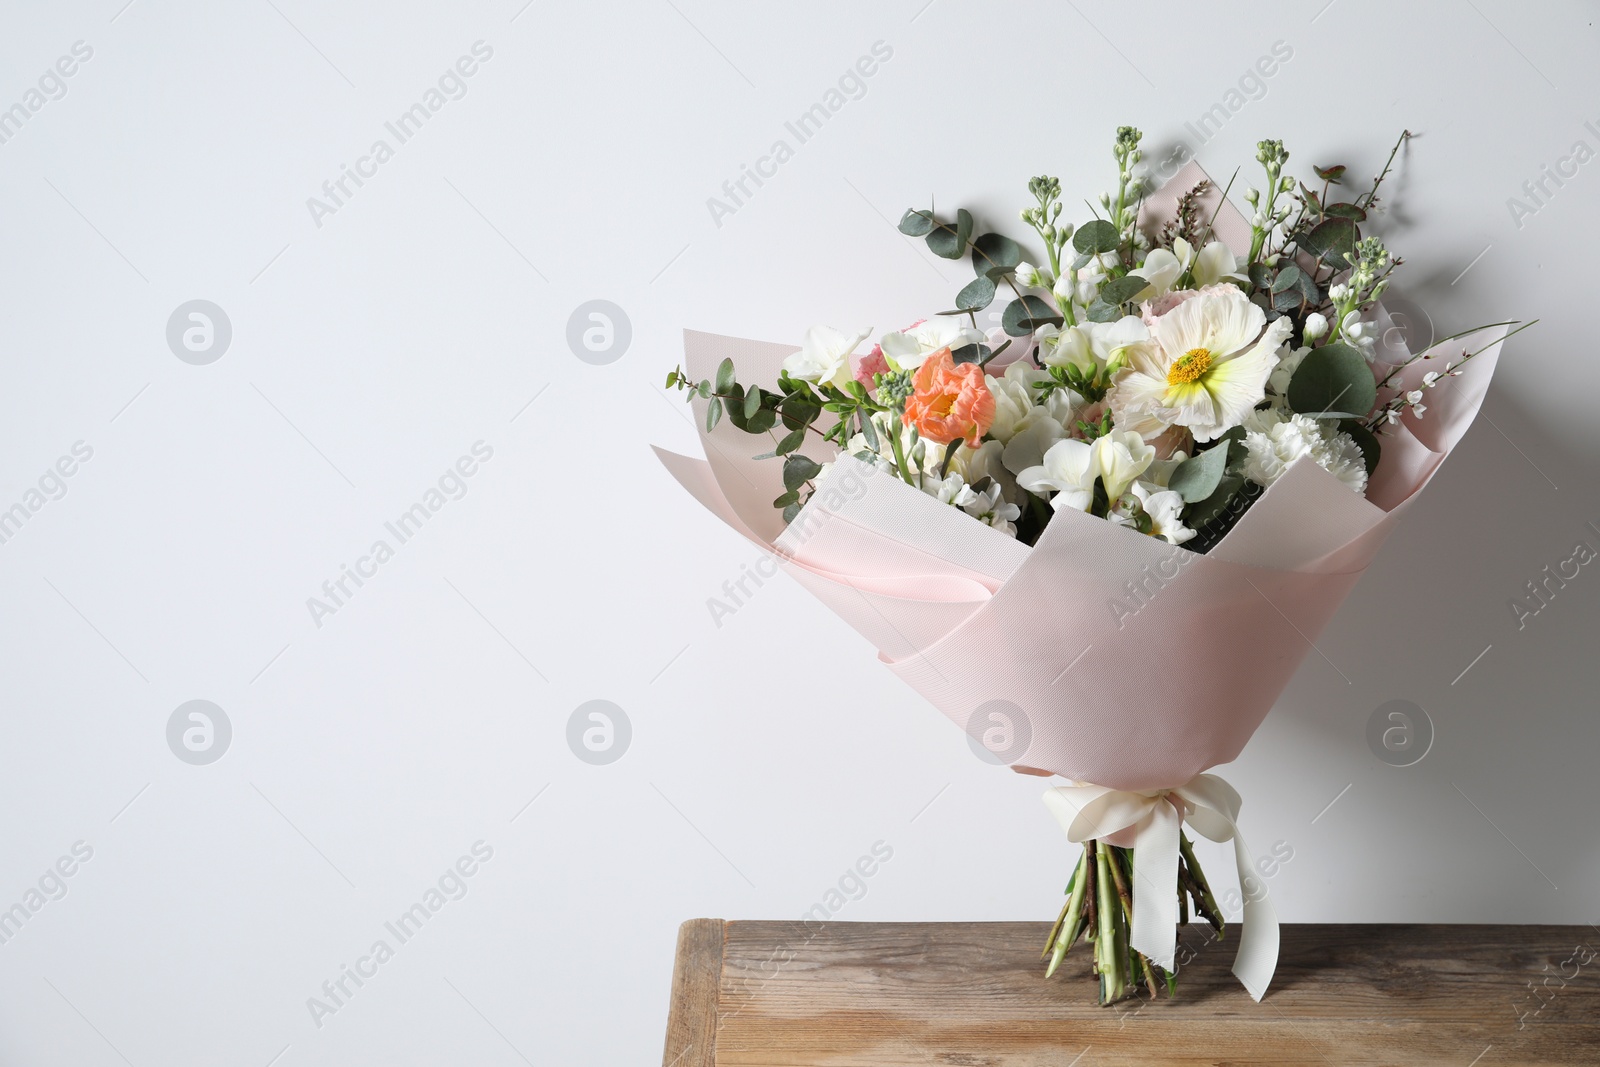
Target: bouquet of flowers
(1102, 535)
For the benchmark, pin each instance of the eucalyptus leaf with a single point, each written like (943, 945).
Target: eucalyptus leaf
(972, 353)
(1335, 377)
(976, 294)
(798, 469)
(1100, 311)
(1207, 510)
(752, 402)
(995, 254)
(713, 414)
(1346, 211)
(791, 442)
(726, 376)
(1288, 278)
(1330, 241)
(916, 223)
(791, 511)
(1197, 477)
(950, 242)
(1027, 314)
(761, 421)
(1096, 236)
(1121, 290)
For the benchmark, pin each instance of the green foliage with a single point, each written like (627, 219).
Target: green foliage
(1197, 478)
(1094, 237)
(950, 242)
(994, 255)
(1331, 241)
(1333, 378)
(916, 223)
(1026, 314)
(976, 294)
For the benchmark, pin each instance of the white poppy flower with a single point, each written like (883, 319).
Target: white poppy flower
(824, 356)
(1207, 370)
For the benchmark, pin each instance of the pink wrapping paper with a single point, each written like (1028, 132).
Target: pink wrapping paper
(1135, 664)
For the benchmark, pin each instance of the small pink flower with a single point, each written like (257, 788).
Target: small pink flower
(868, 365)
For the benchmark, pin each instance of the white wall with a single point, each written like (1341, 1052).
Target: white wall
(368, 353)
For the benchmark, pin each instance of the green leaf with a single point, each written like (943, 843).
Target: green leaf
(1096, 236)
(798, 412)
(995, 254)
(713, 414)
(791, 442)
(1288, 300)
(1197, 477)
(1204, 512)
(1121, 290)
(950, 242)
(1027, 314)
(976, 294)
(1287, 278)
(1334, 377)
(798, 469)
(1330, 241)
(761, 421)
(704, 389)
(1346, 211)
(752, 403)
(1082, 261)
(791, 511)
(1366, 440)
(1330, 174)
(869, 431)
(972, 353)
(1100, 311)
(916, 223)
(786, 499)
(1260, 275)
(725, 376)
(949, 452)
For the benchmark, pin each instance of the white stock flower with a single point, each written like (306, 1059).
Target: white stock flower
(1064, 347)
(1361, 334)
(1119, 458)
(1031, 277)
(824, 356)
(990, 507)
(906, 349)
(1288, 363)
(1013, 398)
(1165, 508)
(1068, 470)
(950, 489)
(1316, 326)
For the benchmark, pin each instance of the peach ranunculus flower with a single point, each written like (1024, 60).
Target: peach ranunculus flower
(950, 400)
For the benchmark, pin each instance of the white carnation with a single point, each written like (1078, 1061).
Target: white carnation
(1270, 451)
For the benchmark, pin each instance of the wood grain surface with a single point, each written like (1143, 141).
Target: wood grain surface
(784, 994)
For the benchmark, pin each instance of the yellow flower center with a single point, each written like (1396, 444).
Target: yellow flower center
(1189, 366)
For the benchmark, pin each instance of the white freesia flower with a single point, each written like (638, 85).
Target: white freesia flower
(1037, 435)
(1119, 458)
(824, 356)
(1064, 347)
(1216, 263)
(1268, 454)
(1013, 398)
(1069, 471)
(1162, 268)
(1207, 369)
(906, 349)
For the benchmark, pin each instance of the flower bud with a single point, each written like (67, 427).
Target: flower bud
(1316, 326)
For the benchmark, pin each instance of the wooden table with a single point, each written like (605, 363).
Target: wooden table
(792, 993)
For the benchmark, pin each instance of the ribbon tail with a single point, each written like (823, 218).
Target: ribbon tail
(1155, 879)
(1257, 959)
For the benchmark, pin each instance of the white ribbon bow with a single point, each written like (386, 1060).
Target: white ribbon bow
(1211, 806)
